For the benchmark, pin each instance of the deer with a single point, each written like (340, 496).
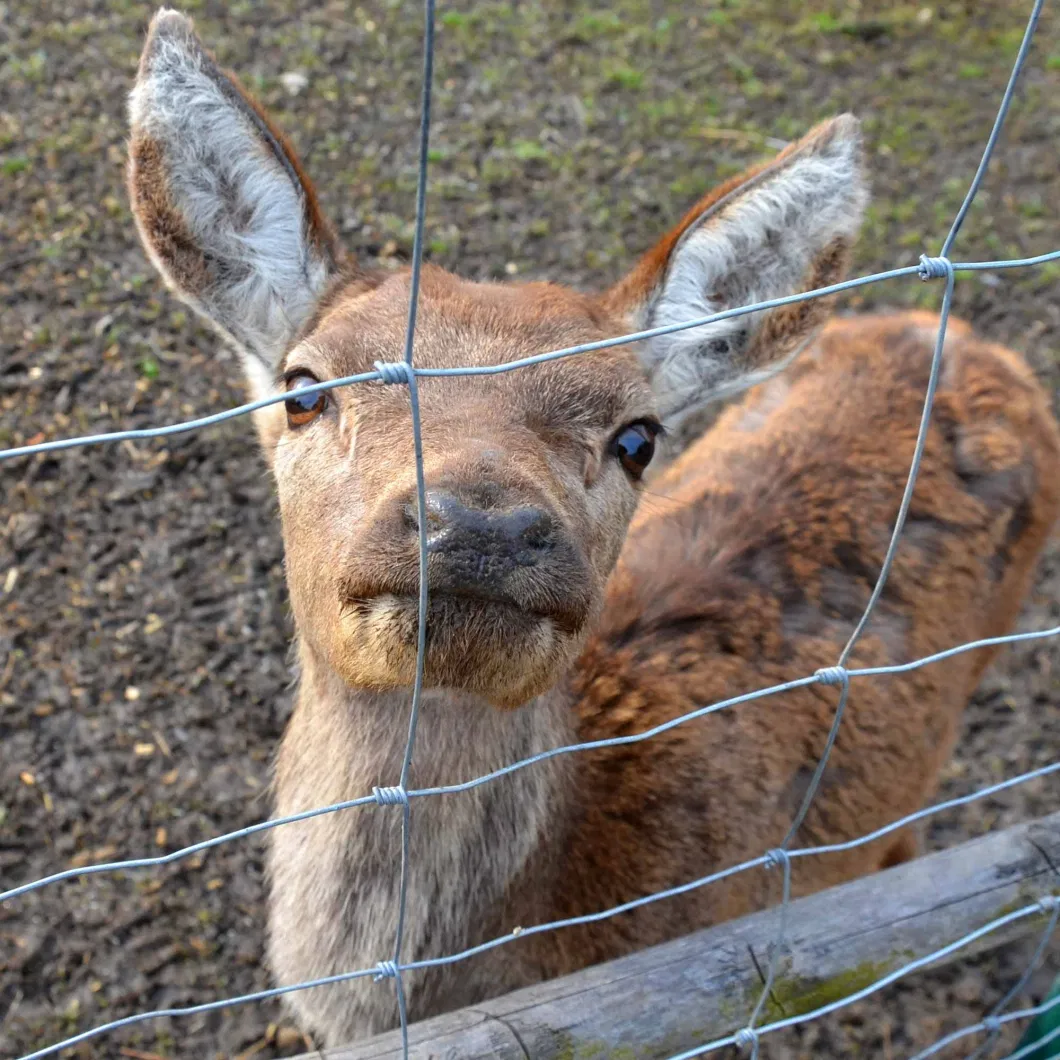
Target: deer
(574, 592)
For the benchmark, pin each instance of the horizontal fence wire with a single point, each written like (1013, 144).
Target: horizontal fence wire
(589, 918)
(407, 373)
(992, 1021)
(138, 434)
(382, 796)
(992, 1024)
(750, 1036)
(997, 1018)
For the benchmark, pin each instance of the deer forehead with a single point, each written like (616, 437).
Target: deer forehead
(463, 324)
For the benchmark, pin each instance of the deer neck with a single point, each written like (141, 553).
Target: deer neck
(459, 736)
(343, 742)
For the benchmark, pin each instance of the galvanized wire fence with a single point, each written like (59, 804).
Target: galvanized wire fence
(405, 373)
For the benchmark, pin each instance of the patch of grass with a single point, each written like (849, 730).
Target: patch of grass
(1008, 41)
(689, 187)
(529, 150)
(1048, 273)
(625, 76)
(32, 68)
(12, 166)
(1035, 208)
(971, 71)
(823, 22)
(597, 23)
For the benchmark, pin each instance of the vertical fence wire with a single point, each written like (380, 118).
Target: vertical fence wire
(391, 374)
(992, 1022)
(931, 268)
(995, 132)
(839, 675)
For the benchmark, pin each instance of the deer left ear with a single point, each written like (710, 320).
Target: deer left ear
(222, 205)
(783, 228)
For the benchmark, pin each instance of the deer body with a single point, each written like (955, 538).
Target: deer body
(561, 611)
(743, 578)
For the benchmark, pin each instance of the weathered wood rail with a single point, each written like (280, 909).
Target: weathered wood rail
(662, 1000)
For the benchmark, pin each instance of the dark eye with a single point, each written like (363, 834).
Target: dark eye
(303, 408)
(634, 446)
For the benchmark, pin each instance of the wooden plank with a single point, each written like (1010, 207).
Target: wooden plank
(662, 1000)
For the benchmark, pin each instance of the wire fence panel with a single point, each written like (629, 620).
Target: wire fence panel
(839, 676)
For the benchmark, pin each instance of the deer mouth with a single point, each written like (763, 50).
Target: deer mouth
(492, 647)
(505, 631)
(472, 613)
(471, 591)
(507, 639)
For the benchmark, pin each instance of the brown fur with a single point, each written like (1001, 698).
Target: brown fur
(746, 562)
(754, 574)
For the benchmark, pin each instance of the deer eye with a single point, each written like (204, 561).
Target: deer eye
(634, 446)
(303, 408)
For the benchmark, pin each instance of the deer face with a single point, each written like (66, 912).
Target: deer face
(531, 478)
(532, 475)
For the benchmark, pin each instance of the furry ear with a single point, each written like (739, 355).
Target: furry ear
(221, 203)
(784, 227)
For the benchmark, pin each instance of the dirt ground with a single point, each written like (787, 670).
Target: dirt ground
(143, 616)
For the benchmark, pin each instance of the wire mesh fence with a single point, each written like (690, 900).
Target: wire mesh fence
(399, 796)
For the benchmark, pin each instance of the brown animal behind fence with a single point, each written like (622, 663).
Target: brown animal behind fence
(569, 601)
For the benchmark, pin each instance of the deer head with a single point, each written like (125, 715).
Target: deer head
(533, 475)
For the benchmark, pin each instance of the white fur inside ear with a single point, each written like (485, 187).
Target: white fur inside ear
(238, 201)
(755, 246)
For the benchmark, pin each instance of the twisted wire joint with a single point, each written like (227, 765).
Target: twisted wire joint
(777, 859)
(391, 796)
(935, 268)
(395, 372)
(746, 1038)
(832, 675)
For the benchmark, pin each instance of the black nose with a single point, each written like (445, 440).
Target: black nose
(483, 544)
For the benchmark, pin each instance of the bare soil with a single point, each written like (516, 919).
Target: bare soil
(143, 615)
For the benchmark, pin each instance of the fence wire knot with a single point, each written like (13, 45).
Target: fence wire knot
(391, 796)
(935, 268)
(747, 1038)
(832, 675)
(992, 1025)
(1048, 902)
(777, 859)
(395, 372)
(385, 970)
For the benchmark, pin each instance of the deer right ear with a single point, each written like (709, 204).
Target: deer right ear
(779, 229)
(221, 203)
